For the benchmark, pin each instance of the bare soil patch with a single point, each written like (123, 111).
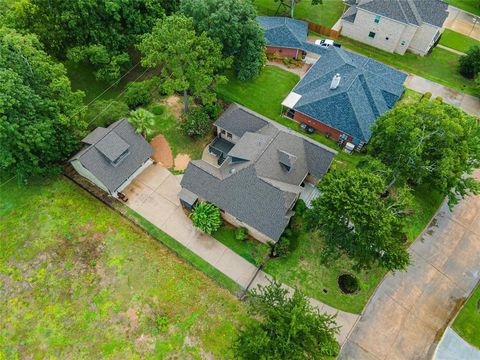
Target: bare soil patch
(181, 161)
(175, 103)
(162, 153)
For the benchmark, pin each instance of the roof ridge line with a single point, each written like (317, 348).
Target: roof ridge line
(91, 146)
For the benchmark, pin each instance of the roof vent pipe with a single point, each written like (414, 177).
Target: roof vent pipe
(335, 81)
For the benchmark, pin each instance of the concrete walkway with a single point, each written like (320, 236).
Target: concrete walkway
(410, 310)
(453, 347)
(462, 22)
(154, 195)
(468, 103)
(450, 49)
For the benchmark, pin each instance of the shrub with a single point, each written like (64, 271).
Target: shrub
(213, 111)
(426, 96)
(105, 112)
(196, 123)
(300, 207)
(469, 64)
(158, 110)
(241, 233)
(281, 248)
(138, 94)
(206, 217)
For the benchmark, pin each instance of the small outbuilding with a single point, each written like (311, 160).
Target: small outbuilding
(112, 157)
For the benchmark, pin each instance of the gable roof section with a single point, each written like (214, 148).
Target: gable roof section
(100, 151)
(413, 12)
(367, 89)
(239, 122)
(259, 191)
(283, 31)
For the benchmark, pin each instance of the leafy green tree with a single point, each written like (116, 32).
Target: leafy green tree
(430, 142)
(290, 4)
(288, 327)
(105, 112)
(469, 64)
(353, 216)
(196, 123)
(100, 32)
(233, 23)
(206, 217)
(143, 121)
(188, 62)
(40, 115)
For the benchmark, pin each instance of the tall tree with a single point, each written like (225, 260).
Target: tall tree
(100, 32)
(290, 4)
(355, 217)
(285, 327)
(430, 142)
(188, 62)
(233, 23)
(39, 113)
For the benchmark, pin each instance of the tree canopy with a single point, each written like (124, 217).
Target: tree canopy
(354, 216)
(233, 23)
(39, 113)
(189, 62)
(430, 142)
(287, 328)
(100, 32)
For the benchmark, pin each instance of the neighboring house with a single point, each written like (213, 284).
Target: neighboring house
(284, 36)
(343, 94)
(112, 157)
(254, 171)
(395, 25)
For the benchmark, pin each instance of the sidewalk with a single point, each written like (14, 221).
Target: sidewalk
(153, 194)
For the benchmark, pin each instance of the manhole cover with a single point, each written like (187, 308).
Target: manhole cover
(348, 283)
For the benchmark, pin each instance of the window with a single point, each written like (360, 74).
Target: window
(223, 132)
(371, 34)
(377, 19)
(387, 38)
(229, 136)
(402, 42)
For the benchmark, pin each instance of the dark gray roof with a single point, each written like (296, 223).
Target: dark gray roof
(414, 12)
(259, 191)
(100, 153)
(245, 122)
(283, 31)
(350, 14)
(367, 89)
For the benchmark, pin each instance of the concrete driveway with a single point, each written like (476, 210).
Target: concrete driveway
(462, 22)
(410, 310)
(469, 104)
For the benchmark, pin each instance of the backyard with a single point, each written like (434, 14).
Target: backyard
(471, 6)
(467, 322)
(325, 14)
(77, 280)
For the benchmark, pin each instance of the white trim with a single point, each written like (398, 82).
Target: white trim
(291, 100)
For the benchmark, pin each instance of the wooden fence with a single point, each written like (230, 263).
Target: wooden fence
(323, 30)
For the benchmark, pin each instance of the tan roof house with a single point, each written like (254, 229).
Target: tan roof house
(395, 25)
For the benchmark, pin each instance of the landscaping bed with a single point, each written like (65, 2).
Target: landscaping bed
(79, 279)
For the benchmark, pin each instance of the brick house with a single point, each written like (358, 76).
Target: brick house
(395, 25)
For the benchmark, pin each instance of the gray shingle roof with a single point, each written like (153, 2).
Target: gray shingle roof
(283, 31)
(259, 191)
(367, 89)
(100, 151)
(414, 12)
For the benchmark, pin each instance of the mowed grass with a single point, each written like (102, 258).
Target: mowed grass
(457, 41)
(79, 281)
(326, 14)
(467, 322)
(471, 6)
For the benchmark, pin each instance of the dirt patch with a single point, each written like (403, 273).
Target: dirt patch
(175, 103)
(181, 161)
(162, 153)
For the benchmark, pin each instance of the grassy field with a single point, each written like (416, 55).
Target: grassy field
(78, 281)
(457, 41)
(326, 14)
(467, 322)
(470, 6)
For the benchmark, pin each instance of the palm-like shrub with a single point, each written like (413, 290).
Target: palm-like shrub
(206, 217)
(143, 121)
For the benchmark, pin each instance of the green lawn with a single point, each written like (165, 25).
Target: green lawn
(252, 250)
(457, 41)
(440, 66)
(471, 6)
(326, 14)
(467, 322)
(77, 280)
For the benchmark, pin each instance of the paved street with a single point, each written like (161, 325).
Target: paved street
(470, 104)
(154, 195)
(409, 312)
